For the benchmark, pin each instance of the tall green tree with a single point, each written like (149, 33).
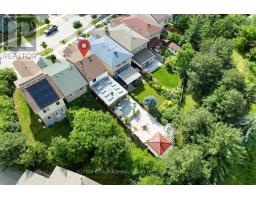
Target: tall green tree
(34, 155)
(227, 105)
(182, 61)
(58, 153)
(223, 151)
(141, 164)
(12, 146)
(194, 124)
(186, 165)
(101, 138)
(233, 79)
(205, 71)
(221, 47)
(181, 22)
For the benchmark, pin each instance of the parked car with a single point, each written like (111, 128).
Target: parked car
(51, 30)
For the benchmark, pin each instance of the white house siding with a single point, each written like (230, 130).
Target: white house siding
(134, 51)
(76, 94)
(54, 111)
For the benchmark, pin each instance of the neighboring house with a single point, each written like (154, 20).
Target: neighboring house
(66, 76)
(118, 59)
(96, 73)
(40, 92)
(174, 48)
(125, 36)
(140, 24)
(90, 66)
(59, 176)
(145, 59)
(160, 19)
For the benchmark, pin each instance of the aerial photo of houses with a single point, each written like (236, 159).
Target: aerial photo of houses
(120, 99)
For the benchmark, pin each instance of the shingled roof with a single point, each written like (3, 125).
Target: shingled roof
(159, 143)
(139, 24)
(124, 35)
(109, 51)
(89, 66)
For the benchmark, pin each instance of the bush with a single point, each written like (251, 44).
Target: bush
(150, 102)
(169, 114)
(94, 16)
(77, 24)
(47, 21)
(52, 57)
(7, 78)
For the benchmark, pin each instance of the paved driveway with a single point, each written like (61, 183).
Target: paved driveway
(9, 177)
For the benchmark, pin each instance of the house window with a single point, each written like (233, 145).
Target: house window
(57, 114)
(57, 103)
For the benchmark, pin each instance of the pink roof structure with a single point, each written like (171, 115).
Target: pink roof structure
(139, 24)
(159, 143)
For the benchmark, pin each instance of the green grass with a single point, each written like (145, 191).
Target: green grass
(46, 51)
(247, 68)
(32, 128)
(144, 90)
(188, 104)
(87, 101)
(166, 79)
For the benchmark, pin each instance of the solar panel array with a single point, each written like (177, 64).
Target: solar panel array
(43, 93)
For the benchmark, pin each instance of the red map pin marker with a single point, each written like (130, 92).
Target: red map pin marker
(84, 46)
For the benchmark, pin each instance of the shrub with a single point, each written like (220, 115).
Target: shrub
(77, 24)
(47, 21)
(52, 57)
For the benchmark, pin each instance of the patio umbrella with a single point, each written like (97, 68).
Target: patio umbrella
(159, 143)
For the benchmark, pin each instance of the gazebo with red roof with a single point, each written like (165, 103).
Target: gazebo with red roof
(159, 144)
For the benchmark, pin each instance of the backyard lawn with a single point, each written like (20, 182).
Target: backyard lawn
(35, 131)
(247, 68)
(189, 103)
(165, 78)
(144, 90)
(32, 128)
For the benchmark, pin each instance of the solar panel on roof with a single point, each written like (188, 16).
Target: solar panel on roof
(43, 93)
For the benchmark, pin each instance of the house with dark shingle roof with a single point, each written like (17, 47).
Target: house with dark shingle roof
(90, 66)
(66, 77)
(96, 72)
(40, 92)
